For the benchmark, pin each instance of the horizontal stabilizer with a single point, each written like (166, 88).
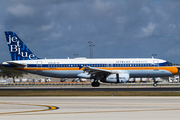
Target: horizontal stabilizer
(17, 64)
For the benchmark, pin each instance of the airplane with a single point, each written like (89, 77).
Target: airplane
(114, 70)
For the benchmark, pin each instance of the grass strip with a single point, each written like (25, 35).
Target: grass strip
(87, 93)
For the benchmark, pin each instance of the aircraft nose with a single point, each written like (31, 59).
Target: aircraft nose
(175, 70)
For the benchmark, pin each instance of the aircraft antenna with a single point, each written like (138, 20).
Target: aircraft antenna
(153, 56)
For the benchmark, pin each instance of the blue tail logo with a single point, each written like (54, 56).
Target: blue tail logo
(18, 50)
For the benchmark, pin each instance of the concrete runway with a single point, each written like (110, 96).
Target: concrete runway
(87, 108)
(124, 88)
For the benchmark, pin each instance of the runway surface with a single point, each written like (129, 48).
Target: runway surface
(164, 89)
(88, 108)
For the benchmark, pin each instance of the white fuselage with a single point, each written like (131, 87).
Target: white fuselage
(73, 68)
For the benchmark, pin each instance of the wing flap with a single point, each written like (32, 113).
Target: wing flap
(92, 70)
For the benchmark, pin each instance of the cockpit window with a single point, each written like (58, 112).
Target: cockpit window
(168, 64)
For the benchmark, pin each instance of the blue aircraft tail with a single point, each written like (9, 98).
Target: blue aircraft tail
(18, 50)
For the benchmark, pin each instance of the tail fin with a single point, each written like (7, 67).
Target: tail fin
(18, 50)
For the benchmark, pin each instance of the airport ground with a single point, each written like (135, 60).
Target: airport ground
(137, 101)
(133, 102)
(81, 108)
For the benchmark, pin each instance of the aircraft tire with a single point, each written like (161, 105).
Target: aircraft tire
(95, 84)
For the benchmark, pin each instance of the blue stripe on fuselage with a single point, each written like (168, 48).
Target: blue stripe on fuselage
(95, 65)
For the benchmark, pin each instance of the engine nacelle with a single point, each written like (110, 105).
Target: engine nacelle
(117, 78)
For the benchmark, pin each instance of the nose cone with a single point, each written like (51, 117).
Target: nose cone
(175, 70)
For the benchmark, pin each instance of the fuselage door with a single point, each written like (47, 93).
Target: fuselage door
(39, 65)
(109, 66)
(156, 64)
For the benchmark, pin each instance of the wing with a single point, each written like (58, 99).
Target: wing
(111, 76)
(97, 71)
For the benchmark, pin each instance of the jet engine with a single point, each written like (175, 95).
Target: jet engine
(116, 78)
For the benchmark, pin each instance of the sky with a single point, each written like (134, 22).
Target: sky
(117, 28)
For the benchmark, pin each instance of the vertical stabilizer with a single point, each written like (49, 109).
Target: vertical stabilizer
(18, 50)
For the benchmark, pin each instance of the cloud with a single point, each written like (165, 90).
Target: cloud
(21, 10)
(146, 9)
(102, 5)
(173, 52)
(121, 20)
(148, 31)
(48, 27)
(56, 34)
(173, 26)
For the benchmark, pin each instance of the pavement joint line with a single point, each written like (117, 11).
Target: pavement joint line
(156, 104)
(49, 108)
(103, 111)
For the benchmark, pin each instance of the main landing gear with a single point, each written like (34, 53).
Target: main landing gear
(95, 83)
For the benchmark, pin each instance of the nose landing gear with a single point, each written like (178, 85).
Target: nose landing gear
(155, 82)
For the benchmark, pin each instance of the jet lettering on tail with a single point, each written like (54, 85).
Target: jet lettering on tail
(18, 50)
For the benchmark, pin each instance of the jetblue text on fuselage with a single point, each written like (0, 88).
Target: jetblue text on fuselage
(16, 47)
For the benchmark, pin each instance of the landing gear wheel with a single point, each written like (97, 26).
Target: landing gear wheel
(95, 84)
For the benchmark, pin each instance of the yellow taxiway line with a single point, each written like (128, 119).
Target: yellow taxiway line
(48, 108)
